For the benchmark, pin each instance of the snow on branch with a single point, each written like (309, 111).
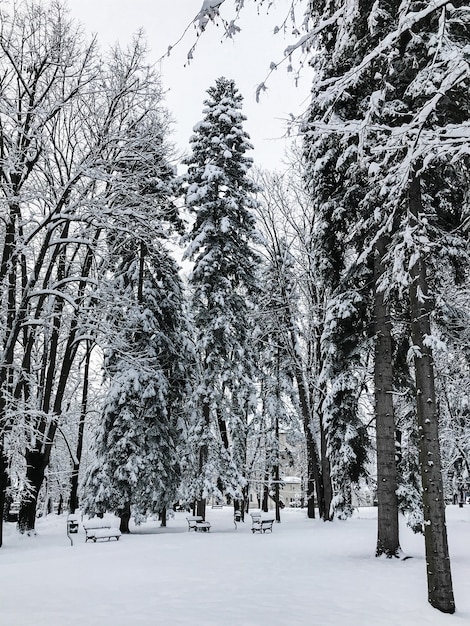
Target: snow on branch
(406, 22)
(53, 292)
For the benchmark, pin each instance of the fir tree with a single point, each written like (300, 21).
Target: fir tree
(146, 351)
(394, 94)
(223, 287)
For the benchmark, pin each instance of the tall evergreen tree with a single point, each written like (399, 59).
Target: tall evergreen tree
(223, 287)
(136, 469)
(394, 95)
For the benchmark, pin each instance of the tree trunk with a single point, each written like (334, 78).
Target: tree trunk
(265, 499)
(201, 507)
(314, 478)
(3, 487)
(277, 477)
(35, 471)
(246, 501)
(73, 503)
(327, 488)
(203, 456)
(125, 518)
(387, 527)
(326, 476)
(311, 463)
(440, 592)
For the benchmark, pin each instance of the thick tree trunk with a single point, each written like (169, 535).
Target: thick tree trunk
(387, 528)
(203, 456)
(73, 500)
(440, 592)
(35, 471)
(326, 476)
(201, 507)
(265, 499)
(125, 518)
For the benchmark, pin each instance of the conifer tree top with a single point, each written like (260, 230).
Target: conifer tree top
(219, 189)
(220, 137)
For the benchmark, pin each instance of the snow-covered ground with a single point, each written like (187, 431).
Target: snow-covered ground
(305, 573)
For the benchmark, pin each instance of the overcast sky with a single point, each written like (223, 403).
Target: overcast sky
(246, 59)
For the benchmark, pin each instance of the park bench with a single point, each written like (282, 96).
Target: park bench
(197, 523)
(261, 524)
(97, 528)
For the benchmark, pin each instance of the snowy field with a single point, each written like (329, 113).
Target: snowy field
(305, 573)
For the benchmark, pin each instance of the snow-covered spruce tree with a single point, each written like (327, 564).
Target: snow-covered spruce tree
(145, 335)
(136, 470)
(223, 285)
(357, 310)
(398, 97)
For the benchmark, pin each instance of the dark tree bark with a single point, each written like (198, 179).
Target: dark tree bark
(203, 456)
(35, 470)
(277, 477)
(3, 486)
(440, 592)
(265, 498)
(125, 518)
(38, 457)
(314, 479)
(325, 475)
(246, 501)
(387, 527)
(60, 505)
(73, 502)
(310, 477)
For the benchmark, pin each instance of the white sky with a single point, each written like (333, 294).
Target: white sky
(246, 59)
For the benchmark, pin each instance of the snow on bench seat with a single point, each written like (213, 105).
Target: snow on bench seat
(260, 523)
(197, 522)
(97, 528)
(104, 533)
